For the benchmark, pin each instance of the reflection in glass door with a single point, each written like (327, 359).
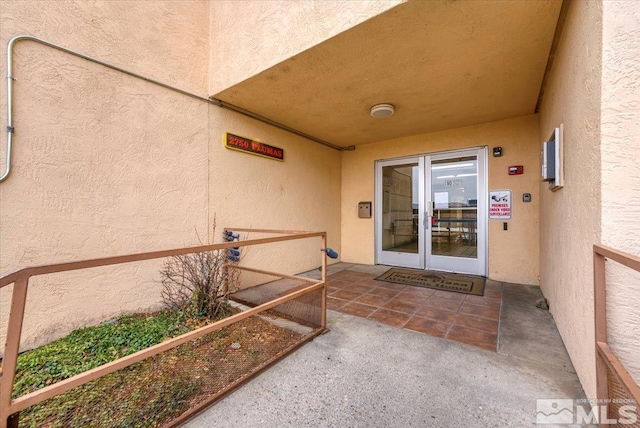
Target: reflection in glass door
(430, 212)
(455, 182)
(454, 192)
(400, 233)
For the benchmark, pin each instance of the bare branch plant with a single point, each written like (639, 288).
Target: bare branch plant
(199, 284)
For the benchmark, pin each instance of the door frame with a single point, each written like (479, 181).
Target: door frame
(391, 258)
(423, 259)
(478, 265)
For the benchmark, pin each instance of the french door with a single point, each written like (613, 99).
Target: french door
(430, 212)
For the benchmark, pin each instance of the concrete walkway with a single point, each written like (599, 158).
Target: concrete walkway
(366, 374)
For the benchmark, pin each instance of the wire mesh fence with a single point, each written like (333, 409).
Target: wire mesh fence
(157, 390)
(621, 405)
(159, 366)
(615, 387)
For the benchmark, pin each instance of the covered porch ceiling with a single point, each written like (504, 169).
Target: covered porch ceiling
(442, 64)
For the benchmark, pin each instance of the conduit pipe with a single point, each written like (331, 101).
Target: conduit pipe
(219, 103)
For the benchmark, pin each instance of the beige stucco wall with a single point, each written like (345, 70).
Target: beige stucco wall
(301, 193)
(105, 164)
(249, 36)
(570, 217)
(620, 151)
(513, 254)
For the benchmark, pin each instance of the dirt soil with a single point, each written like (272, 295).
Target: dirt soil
(157, 390)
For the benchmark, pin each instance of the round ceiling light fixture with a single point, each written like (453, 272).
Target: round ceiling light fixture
(382, 110)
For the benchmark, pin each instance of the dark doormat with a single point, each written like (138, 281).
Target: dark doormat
(438, 280)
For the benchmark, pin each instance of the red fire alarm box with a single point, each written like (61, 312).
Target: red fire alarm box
(516, 170)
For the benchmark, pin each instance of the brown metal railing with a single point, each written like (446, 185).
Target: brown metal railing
(10, 408)
(613, 381)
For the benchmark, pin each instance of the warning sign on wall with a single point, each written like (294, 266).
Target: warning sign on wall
(500, 204)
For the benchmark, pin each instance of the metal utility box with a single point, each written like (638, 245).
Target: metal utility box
(364, 209)
(549, 160)
(552, 160)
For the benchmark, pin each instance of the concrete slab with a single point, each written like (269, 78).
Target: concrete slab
(529, 333)
(364, 374)
(373, 269)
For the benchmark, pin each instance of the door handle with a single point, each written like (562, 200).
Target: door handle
(428, 215)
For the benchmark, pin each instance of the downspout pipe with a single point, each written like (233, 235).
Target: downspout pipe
(10, 79)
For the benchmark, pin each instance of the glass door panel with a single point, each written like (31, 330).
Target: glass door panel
(454, 192)
(398, 213)
(457, 212)
(430, 211)
(400, 207)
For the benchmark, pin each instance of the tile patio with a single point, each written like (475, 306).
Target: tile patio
(464, 318)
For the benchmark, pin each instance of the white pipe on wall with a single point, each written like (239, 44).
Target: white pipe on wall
(219, 103)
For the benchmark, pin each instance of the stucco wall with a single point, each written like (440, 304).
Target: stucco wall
(620, 151)
(270, 32)
(301, 193)
(570, 217)
(105, 164)
(513, 254)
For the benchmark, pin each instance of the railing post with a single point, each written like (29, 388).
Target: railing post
(324, 280)
(10, 409)
(11, 349)
(600, 320)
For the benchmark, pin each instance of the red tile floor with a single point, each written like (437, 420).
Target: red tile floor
(461, 317)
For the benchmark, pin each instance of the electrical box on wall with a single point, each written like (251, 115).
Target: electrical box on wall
(549, 160)
(364, 209)
(552, 160)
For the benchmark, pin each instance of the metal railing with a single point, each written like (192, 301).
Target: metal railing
(614, 384)
(11, 408)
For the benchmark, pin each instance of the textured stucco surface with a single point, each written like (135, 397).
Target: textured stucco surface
(248, 36)
(105, 164)
(513, 254)
(570, 217)
(620, 151)
(443, 64)
(301, 193)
